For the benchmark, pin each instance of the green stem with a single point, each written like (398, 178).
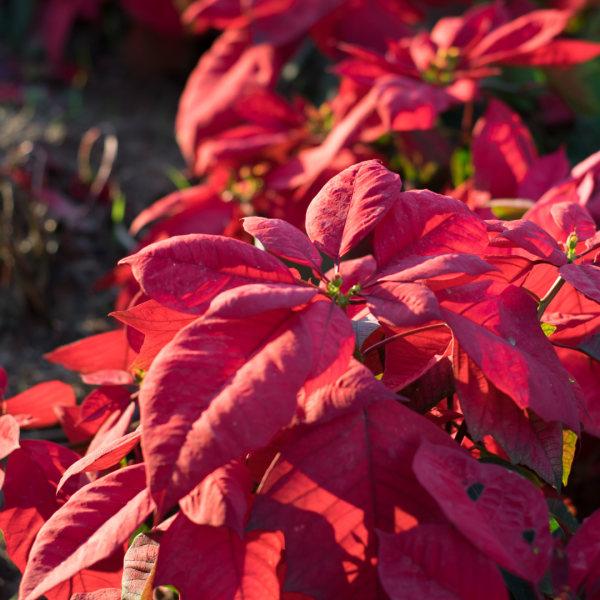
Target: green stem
(545, 301)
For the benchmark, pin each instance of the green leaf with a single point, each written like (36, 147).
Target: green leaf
(556, 529)
(560, 512)
(178, 178)
(569, 442)
(117, 213)
(548, 329)
(461, 167)
(519, 588)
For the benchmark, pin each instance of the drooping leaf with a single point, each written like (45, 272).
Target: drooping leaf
(435, 561)
(583, 552)
(525, 438)
(9, 435)
(498, 511)
(285, 240)
(185, 273)
(336, 482)
(104, 457)
(584, 278)
(92, 525)
(102, 352)
(221, 498)
(139, 568)
(496, 325)
(350, 206)
(214, 562)
(39, 402)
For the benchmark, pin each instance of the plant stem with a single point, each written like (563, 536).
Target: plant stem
(460, 434)
(401, 335)
(545, 301)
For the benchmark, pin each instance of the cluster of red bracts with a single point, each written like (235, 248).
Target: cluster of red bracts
(279, 459)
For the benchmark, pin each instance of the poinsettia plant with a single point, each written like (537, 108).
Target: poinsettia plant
(368, 431)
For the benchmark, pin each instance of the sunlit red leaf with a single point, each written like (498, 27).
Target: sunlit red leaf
(185, 273)
(221, 498)
(39, 402)
(105, 351)
(9, 435)
(496, 325)
(104, 400)
(350, 206)
(186, 418)
(333, 484)
(573, 218)
(497, 510)
(104, 457)
(285, 240)
(214, 562)
(92, 525)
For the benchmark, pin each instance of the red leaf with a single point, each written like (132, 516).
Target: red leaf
(349, 206)
(159, 325)
(110, 376)
(213, 562)
(403, 304)
(3, 383)
(333, 484)
(584, 278)
(105, 351)
(355, 389)
(69, 417)
(543, 173)
(30, 493)
(422, 223)
(583, 553)
(105, 399)
(503, 151)
(113, 429)
(496, 325)
(529, 32)
(256, 298)
(497, 510)
(185, 273)
(525, 438)
(105, 594)
(39, 402)
(353, 272)
(95, 522)
(104, 457)
(259, 462)
(573, 218)
(285, 240)
(435, 561)
(237, 368)
(9, 435)
(221, 498)
(530, 237)
(558, 53)
(410, 357)
(89, 580)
